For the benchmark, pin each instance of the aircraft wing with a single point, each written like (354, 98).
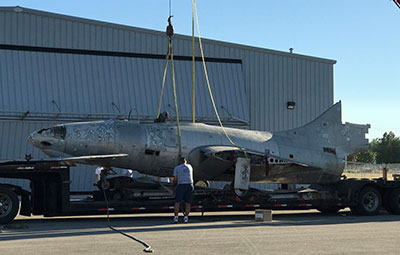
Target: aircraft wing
(212, 162)
(67, 161)
(225, 152)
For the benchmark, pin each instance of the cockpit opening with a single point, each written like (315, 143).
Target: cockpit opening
(42, 130)
(56, 131)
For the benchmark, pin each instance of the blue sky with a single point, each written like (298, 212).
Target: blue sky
(363, 36)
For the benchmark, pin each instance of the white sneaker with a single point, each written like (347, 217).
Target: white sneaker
(186, 219)
(175, 219)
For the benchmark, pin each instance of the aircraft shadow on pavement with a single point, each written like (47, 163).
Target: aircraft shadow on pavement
(64, 227)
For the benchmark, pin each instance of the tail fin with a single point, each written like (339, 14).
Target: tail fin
(327, 133)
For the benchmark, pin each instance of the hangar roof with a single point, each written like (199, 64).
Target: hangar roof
(18, 9)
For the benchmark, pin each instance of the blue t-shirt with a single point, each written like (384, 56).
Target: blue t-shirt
(184, 174)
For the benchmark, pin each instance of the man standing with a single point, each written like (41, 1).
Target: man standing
(183, 176)
(98, 173)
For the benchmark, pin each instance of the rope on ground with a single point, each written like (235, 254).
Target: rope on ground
(147, 248)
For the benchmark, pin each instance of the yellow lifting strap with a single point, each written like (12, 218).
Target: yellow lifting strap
(208, 83)
(170, 55)
(163, 81)
(178, 128)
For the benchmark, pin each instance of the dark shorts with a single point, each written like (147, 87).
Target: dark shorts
(184, 192)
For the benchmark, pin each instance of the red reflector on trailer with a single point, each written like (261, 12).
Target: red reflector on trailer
(305, 205)
(252, 205)
(225, 206)
(138, 208)
(105, 209)
(280, 205)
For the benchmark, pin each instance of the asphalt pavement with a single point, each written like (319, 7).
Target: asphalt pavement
(290, 232)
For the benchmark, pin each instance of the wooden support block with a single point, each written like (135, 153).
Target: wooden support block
(262, 215)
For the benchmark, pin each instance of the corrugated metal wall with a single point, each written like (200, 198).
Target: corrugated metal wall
(271, 78)
(84, 84)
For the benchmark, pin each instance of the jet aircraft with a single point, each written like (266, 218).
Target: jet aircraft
(313, 153)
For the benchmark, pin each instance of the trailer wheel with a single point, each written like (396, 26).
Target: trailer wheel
(394, 201)
(386, 202)
(9, 205)
(240, 192)
(202, 183)
(369, 202)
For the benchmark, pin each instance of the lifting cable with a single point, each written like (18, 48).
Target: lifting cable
(170, 33)
(163, 81)
(397, 2)
(193, 70)
(208, 82)
(170, 55)
(178, 128)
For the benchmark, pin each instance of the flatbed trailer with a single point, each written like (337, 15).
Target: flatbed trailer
(50, 195)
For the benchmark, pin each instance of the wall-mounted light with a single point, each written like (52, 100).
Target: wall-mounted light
(290, 105)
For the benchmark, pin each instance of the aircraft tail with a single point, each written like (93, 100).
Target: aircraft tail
(327, 135)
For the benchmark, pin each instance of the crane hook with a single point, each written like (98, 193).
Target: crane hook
(170, 28)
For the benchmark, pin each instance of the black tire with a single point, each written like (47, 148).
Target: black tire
(9, 205)
(369, 202)
(394, 201)
(386, 202)
(354, 210)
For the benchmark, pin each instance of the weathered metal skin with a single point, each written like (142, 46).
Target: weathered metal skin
(313, 153)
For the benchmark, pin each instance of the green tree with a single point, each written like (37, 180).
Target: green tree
(367, 156)
(387, 148)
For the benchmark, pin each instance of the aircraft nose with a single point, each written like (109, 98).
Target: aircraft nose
(33, 138)
(41, 138)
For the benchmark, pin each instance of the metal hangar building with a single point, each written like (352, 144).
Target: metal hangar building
(56, 68)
